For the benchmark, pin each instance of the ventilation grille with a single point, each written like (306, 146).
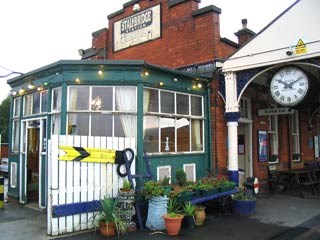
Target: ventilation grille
(163, 171)
(190, 170)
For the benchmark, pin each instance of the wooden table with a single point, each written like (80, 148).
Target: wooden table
(299, 178)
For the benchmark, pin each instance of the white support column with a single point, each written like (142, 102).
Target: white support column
(232, 116)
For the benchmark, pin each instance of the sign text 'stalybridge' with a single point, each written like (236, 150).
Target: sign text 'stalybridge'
(136, 22)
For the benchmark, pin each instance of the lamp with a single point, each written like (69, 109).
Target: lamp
(136, 7)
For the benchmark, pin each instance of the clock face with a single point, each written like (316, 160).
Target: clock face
(289, 86)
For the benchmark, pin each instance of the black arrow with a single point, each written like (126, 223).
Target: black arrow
(83, 153)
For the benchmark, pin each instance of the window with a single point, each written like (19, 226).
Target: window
(35, 103)
(16, 107)
(55, 109)
(177, 126)
(273, 138)
(102, 111)
(15, 136)
(245, 108)
(295, 136)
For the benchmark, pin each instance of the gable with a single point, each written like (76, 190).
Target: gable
(275, 42)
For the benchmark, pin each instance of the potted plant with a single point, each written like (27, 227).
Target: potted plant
(109, 219)
(296, 156)
(157, 206)
(189, 212)
(166, 184)
(172, 218)
(243, 204)
(181, 177)
(126, 188)
(200, 215)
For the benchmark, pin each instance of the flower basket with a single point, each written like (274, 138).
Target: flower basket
(184, 196)
(243, 207)
(208, 192)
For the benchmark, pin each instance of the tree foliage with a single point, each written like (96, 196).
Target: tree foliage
(4, 120)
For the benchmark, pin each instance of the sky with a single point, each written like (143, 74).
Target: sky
(36, 33)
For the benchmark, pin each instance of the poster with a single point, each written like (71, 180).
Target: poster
(262, 146)
(316, 146)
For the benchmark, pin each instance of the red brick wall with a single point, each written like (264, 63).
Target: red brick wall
(185, 39)
(4, 151)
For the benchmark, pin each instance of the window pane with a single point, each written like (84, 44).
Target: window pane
(36, 103)
(167, 131)
(196, 106)
(182, 104)
(44, 101)
(78, 124)
(126, 99)
(78, 98)
(151, 134)
(151, 100)
(196, 137)
(56, 99)
(101, 125)
(27, 104)
(118, 130)
(15, 137)
(44, 135)
(101, 98)
(167, 102)
(183, 135)
(16, 107)
(55, 124)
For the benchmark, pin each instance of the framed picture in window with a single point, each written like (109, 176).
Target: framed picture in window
(262, 146)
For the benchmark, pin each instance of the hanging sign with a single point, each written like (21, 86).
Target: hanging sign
(81, 154)
(274, 111)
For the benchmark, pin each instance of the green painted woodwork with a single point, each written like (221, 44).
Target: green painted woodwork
(64, 73)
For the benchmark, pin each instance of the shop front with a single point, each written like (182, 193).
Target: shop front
(106, 105)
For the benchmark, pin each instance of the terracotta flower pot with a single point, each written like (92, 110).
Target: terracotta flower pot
(173, 224)
(107, 229)
(200, 216)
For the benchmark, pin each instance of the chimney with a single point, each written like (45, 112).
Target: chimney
(244, 34)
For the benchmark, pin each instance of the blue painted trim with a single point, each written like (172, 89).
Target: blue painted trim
(214, 196)
(234, 176)
(232, 116)
(75, 208)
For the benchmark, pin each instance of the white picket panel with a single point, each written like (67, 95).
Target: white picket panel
(74, 182)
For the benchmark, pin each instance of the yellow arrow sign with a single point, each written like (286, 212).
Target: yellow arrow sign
(81, 154)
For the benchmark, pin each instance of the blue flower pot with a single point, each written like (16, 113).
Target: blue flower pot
(243, 208)
(157, 208)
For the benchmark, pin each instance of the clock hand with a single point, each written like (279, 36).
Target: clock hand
(293, 82)
(285, 84)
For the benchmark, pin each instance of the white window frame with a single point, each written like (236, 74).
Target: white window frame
(273, 136)
(194, 171)
(164, 167)
(175, 116)
(245, 112)
(295, 135)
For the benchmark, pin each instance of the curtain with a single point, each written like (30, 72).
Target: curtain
(126, 101)
(196, 135)
(146, 99)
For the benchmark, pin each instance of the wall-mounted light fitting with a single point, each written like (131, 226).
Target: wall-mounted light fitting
(100, 72)
(175, 79)
(21, 91)
(31, 86)
(136, 7)
(161, 84)
(77, 80)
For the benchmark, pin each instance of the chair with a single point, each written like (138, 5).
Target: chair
(274, 180)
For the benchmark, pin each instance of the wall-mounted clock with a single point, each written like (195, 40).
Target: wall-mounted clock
(289, 86)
